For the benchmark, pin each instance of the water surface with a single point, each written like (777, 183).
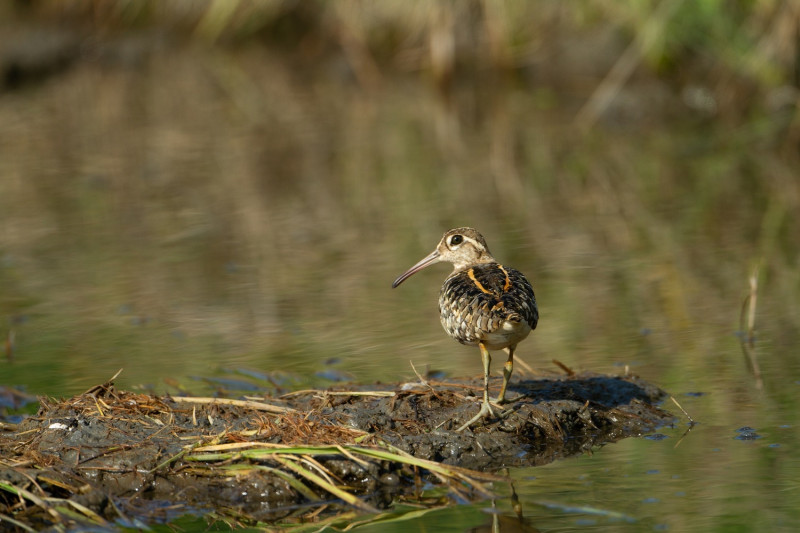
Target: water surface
(207, 212)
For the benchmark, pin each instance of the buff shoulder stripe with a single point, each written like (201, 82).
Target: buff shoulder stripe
(507, 284)
(471, 274)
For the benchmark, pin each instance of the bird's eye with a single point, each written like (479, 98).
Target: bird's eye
(456, 240)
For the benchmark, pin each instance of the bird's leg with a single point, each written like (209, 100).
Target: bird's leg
(508, 368)
(486, 409)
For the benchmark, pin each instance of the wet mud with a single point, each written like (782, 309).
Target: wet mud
(118, 453)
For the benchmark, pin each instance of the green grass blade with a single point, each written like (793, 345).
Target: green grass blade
(325, 485)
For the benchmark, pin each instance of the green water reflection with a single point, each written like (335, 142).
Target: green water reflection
(210, 211)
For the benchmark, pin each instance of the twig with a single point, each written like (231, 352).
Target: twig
(9, 345)
(422, 380)
(105, 386)
(748, 337)
(172, 459)
(260, 406)
(683, 436)
(567, 370)
(526, 368)
(691, 420)
(17, 523)
(339, 393)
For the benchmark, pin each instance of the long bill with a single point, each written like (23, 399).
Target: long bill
(426, 261)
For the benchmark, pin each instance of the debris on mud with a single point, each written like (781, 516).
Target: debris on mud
(107, 453)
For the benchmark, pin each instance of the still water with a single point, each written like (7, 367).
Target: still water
(715, 478)
(203, 213)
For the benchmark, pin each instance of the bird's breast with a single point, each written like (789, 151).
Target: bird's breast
(488, 303)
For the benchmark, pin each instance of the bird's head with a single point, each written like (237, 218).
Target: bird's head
(463, 247)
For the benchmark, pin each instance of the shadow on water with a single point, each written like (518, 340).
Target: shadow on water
(610, 391)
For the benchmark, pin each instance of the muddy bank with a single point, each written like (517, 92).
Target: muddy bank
(549, 418)
(114, 453)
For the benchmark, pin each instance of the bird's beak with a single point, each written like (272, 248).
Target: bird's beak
(426, 261)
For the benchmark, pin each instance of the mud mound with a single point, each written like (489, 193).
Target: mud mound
(110, 453)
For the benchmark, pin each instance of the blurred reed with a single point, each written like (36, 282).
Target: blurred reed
(259, 177)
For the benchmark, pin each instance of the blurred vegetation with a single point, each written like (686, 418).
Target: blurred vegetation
(751, 42)
(248, 176)
(186, 184)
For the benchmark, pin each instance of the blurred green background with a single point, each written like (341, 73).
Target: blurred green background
(193, 186)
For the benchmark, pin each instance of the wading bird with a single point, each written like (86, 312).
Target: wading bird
(482, 303)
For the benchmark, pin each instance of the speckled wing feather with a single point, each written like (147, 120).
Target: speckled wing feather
(477, 301)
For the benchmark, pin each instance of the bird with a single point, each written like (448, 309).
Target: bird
(482, 303)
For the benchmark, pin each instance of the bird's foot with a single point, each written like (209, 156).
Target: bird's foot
(486, 411)
(503, 400)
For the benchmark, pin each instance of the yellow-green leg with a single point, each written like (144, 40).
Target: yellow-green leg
(508, 368)
(486, 409)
